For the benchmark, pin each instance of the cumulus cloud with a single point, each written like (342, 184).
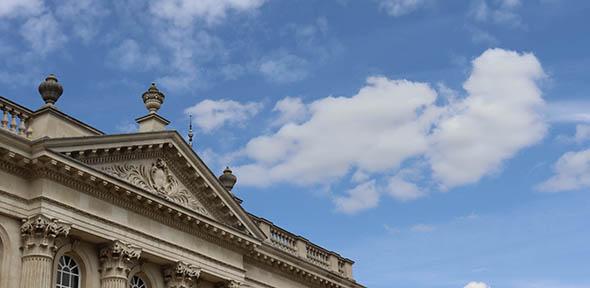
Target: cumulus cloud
(501, 115)
(476, 285)
(186, 12)
(209, 114)
(498, 12)
(361, 197)
(391, 121)
(290, 109)
(571, 172)
(401, 7)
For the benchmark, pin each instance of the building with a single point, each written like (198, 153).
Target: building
(79, 208)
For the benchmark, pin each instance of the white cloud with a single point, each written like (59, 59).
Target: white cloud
(391, 121)
(582, 133)
(185, 12)
(422, 228)
(403, 190)
(283, 67)
(129, 56)
(359, 198)
(476, 285)
(290, 109)
(84, 15)
(568, 111)
(500, 116)
(43, 33)
(502, 12)
(571, 172)
(362, 131)
(15, 8)
(209, 114)
(401, 7)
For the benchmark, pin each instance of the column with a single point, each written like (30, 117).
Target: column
(181, 275)
(39, 234)
(116, 260)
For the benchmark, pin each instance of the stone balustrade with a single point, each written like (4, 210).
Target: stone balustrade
(304, 249)
(14, 118)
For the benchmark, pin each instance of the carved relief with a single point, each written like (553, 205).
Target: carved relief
(39, 234)
(181, 275)
(158, 179)
(117, 259)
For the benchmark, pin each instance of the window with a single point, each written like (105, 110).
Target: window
(68, 273)
(137, 282)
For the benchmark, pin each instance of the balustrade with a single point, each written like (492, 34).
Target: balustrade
(302, 248)
(15, 118)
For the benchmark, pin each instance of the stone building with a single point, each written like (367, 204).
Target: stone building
(79, 208)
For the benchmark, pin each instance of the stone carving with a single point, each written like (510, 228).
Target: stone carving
(158, 179)
(117, 259)
(39, 234)
(181, 275)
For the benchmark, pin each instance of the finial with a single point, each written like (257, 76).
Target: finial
(153, 98)
(227, 179)
(190, 130)
(50, 89)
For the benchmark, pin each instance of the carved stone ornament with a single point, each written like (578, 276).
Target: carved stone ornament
(39, 234)
(229, 284)
(158, 179)
(117, 259)
(181, 275)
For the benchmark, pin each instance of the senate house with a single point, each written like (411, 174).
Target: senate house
(80, 208)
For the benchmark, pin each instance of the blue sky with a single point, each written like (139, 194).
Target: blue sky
(437, 143)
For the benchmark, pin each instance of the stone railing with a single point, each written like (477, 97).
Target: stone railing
(14, 118)
(304, 249)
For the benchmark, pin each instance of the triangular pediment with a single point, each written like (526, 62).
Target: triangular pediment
(164, 165)
(155, 175)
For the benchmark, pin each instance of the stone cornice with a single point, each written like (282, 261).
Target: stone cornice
(298, 269)
(171, 138)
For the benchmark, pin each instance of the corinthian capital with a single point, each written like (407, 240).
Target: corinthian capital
(229, 284)
(117, 259)
(39, 234)
(181, 275)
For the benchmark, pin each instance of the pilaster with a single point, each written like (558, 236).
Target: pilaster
(116, 260)
(39, 234)
(181, 275)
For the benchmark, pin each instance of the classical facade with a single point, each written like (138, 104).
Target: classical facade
(79, 208)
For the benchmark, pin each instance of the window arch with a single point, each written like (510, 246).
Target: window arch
(137, 282)
(68, 273)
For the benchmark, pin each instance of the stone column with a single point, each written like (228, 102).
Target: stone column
(116, 260)
(39, 234)
(181, 275)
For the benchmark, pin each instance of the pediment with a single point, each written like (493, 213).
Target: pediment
(156, 176)
(161, 164)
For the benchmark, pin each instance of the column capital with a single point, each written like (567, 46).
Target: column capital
(117, 259)
(39, 233)
(181, 275)
(229, 284)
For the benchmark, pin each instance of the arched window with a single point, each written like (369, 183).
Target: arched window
(68, 273)
(137, 282)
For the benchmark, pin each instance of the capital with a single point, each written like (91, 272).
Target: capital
(117, 259)
(181, 275)
(39, 234)
(229, 284)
